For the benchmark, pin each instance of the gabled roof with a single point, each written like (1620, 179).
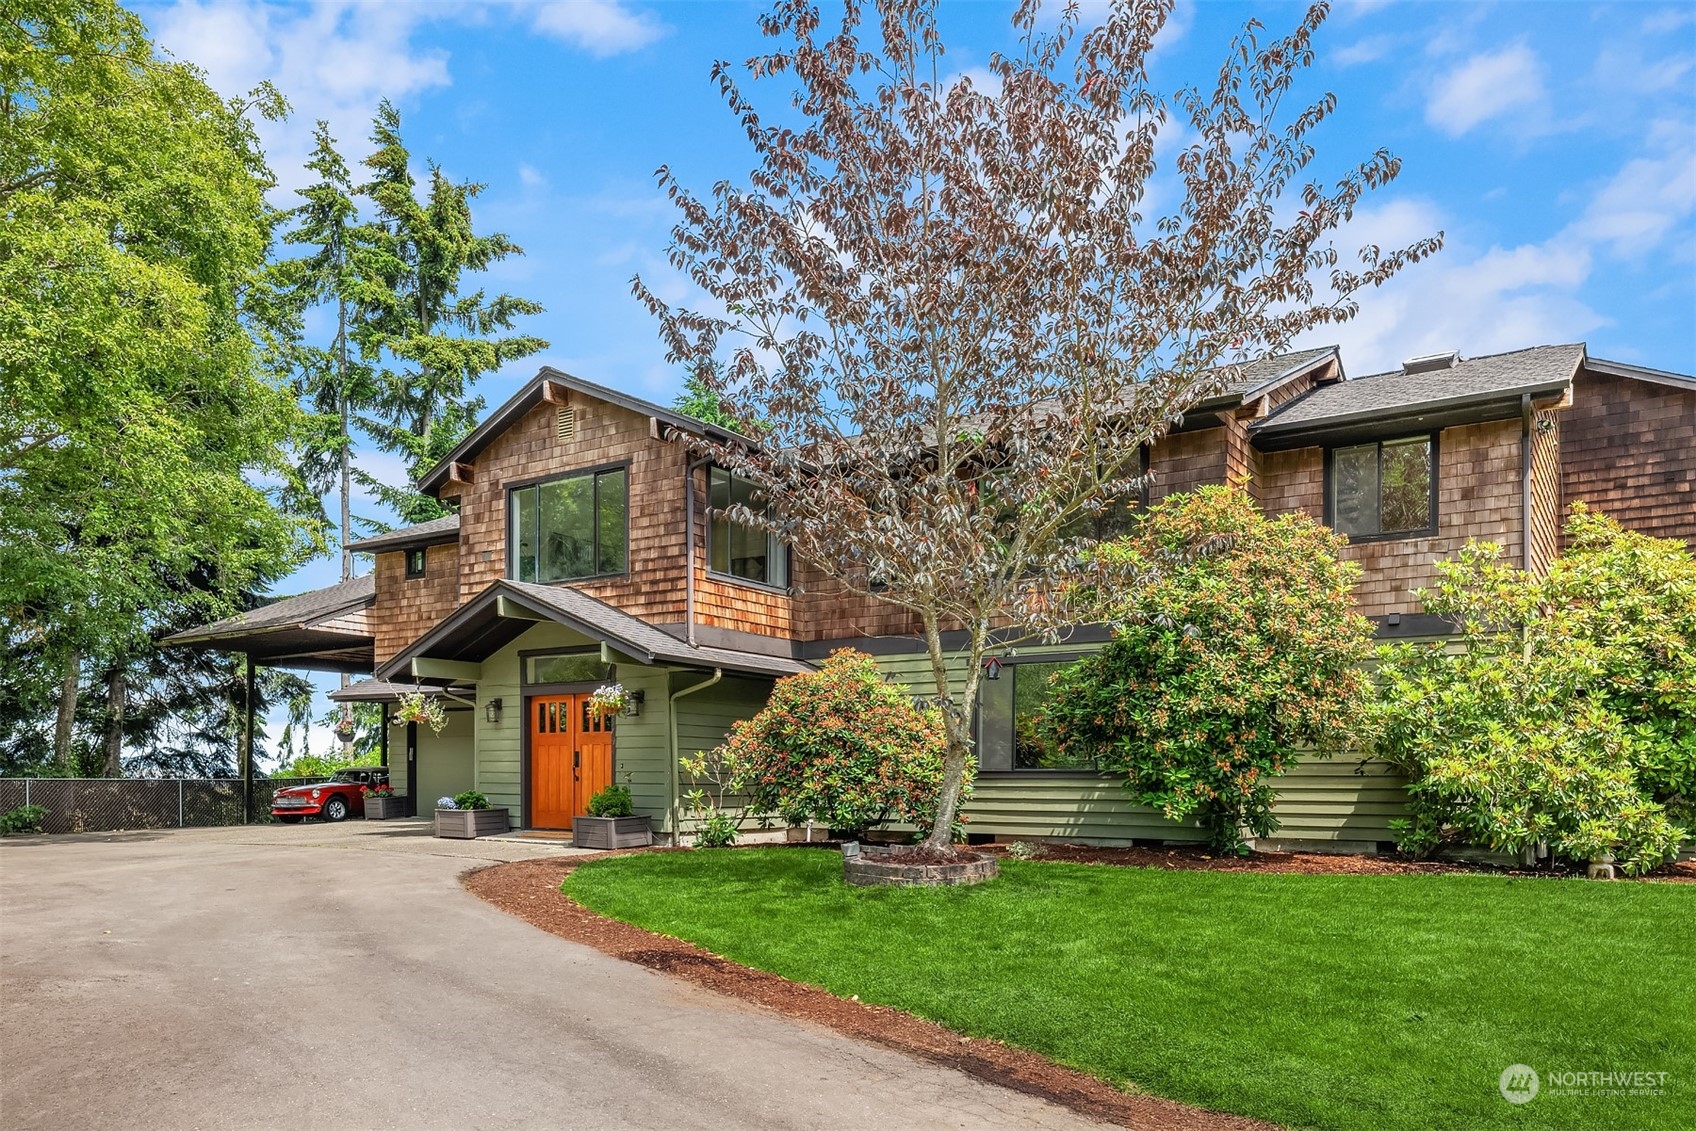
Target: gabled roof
(432, 533)
(1641, 373)
(477, 629)
(1260, 377)
(534, 393)
(1479, 388)
(383, 691)
(327, 628)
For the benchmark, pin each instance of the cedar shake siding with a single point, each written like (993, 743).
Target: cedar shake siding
(407, 608)
(1628, 448)
(606, 435)
(1478, 496)
(1183, 461)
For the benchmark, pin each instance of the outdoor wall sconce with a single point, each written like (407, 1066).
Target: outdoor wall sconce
(633, 704)
(492, 711)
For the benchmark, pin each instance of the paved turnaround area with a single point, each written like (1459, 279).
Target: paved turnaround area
(320, 976)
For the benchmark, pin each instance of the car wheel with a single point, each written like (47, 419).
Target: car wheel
(291, 819)
(335, 809)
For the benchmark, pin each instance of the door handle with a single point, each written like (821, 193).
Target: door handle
(576, 763)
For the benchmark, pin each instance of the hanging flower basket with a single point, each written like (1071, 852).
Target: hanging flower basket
(608, 700)
(420, 708)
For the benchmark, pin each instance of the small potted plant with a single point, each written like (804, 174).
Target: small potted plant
(468, 815)
(612, 822)
(381, 804)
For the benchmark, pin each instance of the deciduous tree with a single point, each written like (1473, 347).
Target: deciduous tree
(960, 309)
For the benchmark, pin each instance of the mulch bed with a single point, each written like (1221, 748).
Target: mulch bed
(529, 889)
(1305, 863)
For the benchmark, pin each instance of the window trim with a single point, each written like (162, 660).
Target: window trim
(1429, 531)
(1018, 771)
(423, 569)
(731, 578)
(518, 485)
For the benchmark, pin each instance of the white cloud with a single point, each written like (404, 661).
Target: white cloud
(1368, 50)
(1477, 301)
(601, 27)
(1486, 86)
(530, 176)
(331, 60)
(1638, 206)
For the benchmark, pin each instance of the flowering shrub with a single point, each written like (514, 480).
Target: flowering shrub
(1241, 644)
(1569, 719)
(842, 747)
(446, 803)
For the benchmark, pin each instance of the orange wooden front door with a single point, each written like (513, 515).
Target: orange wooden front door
(570, 758)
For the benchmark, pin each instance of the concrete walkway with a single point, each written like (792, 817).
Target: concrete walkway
(339, 977)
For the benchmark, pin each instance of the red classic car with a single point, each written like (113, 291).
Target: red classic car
(341, 797)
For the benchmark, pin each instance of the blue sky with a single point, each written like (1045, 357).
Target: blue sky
(1554, 143)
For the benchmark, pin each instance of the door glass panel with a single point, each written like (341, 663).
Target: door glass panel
(1031, 749)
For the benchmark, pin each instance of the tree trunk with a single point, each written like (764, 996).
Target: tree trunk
(956, 723)
(346, 488)
(67, 709)
(117, 690)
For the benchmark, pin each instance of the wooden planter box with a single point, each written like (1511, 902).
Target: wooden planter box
(468, 824)
(384, 808)
(611, 832)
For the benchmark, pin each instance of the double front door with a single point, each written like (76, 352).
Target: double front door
(570, 758)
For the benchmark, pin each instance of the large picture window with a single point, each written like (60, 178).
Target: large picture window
(1010, 711)
(571, 528)
(1384, 489)
(737, 550)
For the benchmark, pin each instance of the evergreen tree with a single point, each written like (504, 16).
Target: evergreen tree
(441, 340)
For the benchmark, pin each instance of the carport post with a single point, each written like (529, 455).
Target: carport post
(179, 803)
(247, 748)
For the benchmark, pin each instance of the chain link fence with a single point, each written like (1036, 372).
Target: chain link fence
(104, 805)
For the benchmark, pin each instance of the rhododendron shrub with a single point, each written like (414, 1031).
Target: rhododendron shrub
(841, 747)
(1244, 646)
(1567, 721)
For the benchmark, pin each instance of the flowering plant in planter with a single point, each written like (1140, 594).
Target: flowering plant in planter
(609, 699)
(420, 708)
(382, 790)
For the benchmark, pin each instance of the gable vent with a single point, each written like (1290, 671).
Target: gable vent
(565, 424)
(1431, 362)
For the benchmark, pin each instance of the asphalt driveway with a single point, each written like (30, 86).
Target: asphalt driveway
(339, 977)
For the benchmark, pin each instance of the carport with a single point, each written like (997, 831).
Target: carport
(326, 629)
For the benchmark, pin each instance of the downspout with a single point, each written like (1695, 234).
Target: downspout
(1525, 418)
(689, 471)
(675, 800)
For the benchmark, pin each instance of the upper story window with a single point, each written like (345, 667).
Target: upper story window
(417, 564)
(571, 528)
(1385, 489)
(737, 550)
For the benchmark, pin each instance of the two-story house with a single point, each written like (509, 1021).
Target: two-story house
(586, 548)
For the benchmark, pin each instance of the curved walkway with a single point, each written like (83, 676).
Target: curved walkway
(340, 977)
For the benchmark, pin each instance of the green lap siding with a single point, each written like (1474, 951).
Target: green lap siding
(705, 717)
(1319, 800)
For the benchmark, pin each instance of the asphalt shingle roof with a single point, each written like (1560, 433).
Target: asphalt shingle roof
(436, 530)
(1498, 376)
(301, 611)
(1267, 370)
(642, 638)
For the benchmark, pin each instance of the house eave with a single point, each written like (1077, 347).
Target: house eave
(1433, 415)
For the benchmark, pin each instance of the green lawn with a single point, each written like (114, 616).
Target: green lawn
(1369, 1002)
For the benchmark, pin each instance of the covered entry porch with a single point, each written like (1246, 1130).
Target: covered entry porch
(528, 657)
